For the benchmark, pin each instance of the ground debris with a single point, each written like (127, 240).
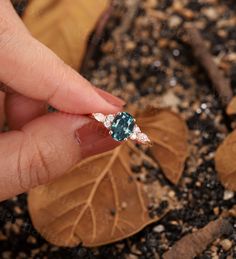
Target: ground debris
(203, 55)
(195, 243)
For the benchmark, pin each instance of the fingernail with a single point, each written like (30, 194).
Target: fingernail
(94, 138)
(116, 101)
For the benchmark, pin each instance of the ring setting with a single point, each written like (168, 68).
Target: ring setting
(122, 126)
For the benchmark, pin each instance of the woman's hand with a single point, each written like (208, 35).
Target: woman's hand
(40, 146)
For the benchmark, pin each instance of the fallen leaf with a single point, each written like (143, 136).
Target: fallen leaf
(195, 243)
(98, 202)
(169, 135)
(226, 163)
(231, 108)
(64, 26)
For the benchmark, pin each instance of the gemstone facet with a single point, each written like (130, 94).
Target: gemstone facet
(122, 126)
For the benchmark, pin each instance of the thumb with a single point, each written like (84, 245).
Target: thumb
(46, 148)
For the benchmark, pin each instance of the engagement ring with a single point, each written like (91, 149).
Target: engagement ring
(122, 126)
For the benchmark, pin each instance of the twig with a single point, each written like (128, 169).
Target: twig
(203, 55)
(194, 244)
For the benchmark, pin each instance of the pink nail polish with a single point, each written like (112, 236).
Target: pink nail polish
(116, 101)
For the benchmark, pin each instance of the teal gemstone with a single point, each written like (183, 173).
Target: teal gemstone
(122, 126)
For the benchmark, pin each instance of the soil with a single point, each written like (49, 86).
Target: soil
(148, 63)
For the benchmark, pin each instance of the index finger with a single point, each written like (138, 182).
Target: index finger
(30, 68)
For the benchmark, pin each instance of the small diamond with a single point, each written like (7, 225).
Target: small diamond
(110, 117)
(143, 138)
(136, 129)
(107, 124)
(108, 121)
(133, 136)
(99, 117)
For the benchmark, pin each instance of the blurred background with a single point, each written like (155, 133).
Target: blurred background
(139, 50)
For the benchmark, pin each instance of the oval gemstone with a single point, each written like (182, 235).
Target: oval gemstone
(122, 126)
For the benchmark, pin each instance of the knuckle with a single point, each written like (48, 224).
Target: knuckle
(34, 163)
(5, 32)
(23, 166)
(59, 73)
(41, 169)
(3, 25)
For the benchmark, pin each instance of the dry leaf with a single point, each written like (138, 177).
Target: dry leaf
(231, 108)
(64, 26)
(169, 135)
(98, 202)
(193, 244)
(226, 163)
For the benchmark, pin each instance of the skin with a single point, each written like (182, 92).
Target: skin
(40, 147)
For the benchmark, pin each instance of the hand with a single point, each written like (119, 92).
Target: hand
(40, 147)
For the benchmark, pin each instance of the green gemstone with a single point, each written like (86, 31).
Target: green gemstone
(122, 126)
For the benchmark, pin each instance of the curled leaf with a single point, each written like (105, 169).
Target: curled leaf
(193, 244)
(98, 202)
(226, 163)
(169, 135)
(231, 108)
(64, 26)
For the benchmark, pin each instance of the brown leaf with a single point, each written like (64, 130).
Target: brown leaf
(169, 135)
(64, 26)
(193, 244)
(98, 202)
(231, 108)
(226, 163)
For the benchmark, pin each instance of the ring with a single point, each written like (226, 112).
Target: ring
(122, 126)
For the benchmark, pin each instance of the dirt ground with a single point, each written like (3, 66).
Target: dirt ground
(151, 64)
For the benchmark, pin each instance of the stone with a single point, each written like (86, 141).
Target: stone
(133, 136)
(108, 121)
(174, 21)
(143, 138)
(159, 228)
(135, 133)
(226, 244)
(99, 117)
(228, 195)
(136, 129)
(122, 126)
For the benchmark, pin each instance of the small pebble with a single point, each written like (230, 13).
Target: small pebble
(228, 195)
(176, 52)
(216, 211)
(130, 45)
(171, 194)
(226, 244)
(211, 13)
(174, 21)
(173, 82)
(157, 63)
(203, 106)
(159, 228)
